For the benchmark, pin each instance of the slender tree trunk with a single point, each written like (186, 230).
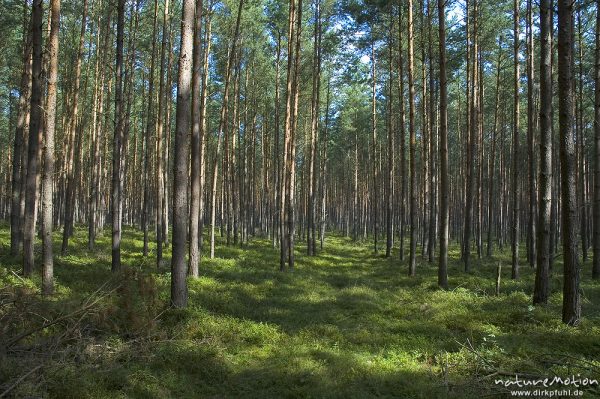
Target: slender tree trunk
(19, 160)
(183, 115)
(492, 168)
(35, 135)
(150, 127)
(541, 291)
(222, 128)
(160, 179)
(444, 183)
(531, 256)
(194, 256)
(324, 160)
(375, 197)
(472, 146)
(402, 123)
(203, 139)
(389, 183)
(596, 216)
(283, 247)
(74, 138)
(277, 176)
(117, 200)
(580, 139)
(515, 151)
(291, 183)
(413, 144)
(316, 87)
(571, 309)
(48, 175)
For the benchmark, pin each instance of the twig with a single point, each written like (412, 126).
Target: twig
(19, 380)
(19, 277)
(87, 305)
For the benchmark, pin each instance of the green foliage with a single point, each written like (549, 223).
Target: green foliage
(345, 324)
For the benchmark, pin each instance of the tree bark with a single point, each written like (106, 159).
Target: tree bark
(35, 136)
(596, 216)
(183, 115)
(116, 198)
(194, 255)
(412, 268)
(571, 309)
(515, 160)
(48, 174)
(541, 290)
(19, 161)
(444, 183)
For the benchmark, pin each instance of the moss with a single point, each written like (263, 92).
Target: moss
(344, 324)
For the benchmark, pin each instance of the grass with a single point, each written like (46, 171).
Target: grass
(345, 324)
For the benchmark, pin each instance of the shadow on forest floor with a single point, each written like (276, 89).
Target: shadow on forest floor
(347, 323)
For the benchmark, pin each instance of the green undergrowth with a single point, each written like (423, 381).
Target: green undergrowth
(347, 323)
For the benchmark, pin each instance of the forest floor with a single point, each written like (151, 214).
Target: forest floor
(345, 324)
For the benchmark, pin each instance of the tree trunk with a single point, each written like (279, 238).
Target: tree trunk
(515, 160)
(531, 234)
(444, 184)
(571, 309)
(596, 216)
(160, 178)
(316, 87)
(194, 256)
(183, 115)
(116, 198)
(412, 268)
(35, 136)
(74, 139)
(150, 127)
(19, 161)
(541, 290)
(48, 175)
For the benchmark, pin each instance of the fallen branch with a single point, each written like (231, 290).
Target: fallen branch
(88, 304)
(19, 380)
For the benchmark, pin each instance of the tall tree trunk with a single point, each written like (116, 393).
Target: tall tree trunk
(402, 132)
(412, 268)
(515, 161)
(580, 139)
(444, 183)
(222, 128)
(541, 290)
(19, 161)
(48, 175)
(291, 183)
(116, 198)
(316, 87)
(203, 111)
(596, 216)
(183, 115)
(194, 256)
(35, 135)
(74, 138)
(375, 197)
(277, 175)
(283, 247)
(472, 146)
(150, 127)
(389, 183)
(324, 160)
(492, 168)
(531, 121)
(571, 309)
(160, 176)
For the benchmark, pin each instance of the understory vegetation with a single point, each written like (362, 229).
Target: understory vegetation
(347, 323)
